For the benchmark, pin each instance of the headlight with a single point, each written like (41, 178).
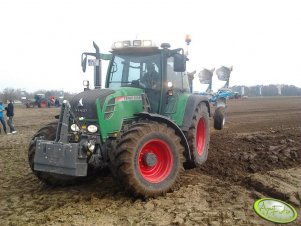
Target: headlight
(92, 128)
(118, 45)
(86, 83)
(133, 43)
(74, 128)
(147, 43)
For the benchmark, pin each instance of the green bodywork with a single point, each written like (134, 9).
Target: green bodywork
(131, 103)
(127, 103)
(176, 107)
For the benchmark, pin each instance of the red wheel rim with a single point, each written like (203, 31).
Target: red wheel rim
(200, 136)
(161, 168)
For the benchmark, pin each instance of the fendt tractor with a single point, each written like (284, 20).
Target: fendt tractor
(145, 125)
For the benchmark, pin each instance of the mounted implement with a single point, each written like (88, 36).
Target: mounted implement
(218, 99)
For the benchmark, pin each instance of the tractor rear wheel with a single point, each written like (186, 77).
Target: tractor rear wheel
(219, 118)
(48, 133)
(198, 136)
(148, 159)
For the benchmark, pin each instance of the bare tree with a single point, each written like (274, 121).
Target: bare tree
(11, 93)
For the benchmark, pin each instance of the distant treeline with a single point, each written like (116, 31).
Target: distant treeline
(270, 90)
(16, 94)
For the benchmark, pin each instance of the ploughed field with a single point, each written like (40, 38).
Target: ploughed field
(256, 155)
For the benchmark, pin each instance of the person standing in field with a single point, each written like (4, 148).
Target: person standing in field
(10, 114)
(2, 117)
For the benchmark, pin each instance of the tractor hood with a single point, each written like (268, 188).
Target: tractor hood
(84, 104)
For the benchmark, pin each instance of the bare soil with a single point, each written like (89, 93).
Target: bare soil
(256, 155)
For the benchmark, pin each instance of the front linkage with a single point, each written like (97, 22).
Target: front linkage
(60, 156)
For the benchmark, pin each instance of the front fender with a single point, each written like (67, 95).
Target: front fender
(178, 130)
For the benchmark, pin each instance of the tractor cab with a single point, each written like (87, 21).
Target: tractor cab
(158, 71)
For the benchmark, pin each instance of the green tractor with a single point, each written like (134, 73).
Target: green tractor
(145, 125)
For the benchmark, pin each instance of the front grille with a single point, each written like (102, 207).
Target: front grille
(84, 104)
(110, 109)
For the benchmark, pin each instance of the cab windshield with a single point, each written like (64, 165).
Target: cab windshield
(129, 70)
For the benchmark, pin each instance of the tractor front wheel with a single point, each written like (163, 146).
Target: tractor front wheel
(198, 136)
(148, 159)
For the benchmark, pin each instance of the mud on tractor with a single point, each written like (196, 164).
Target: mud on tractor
(145, 125)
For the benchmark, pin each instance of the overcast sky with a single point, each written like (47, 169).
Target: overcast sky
(42, 41)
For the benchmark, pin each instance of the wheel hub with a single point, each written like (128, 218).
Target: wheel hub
(149, 159)
(155, 160)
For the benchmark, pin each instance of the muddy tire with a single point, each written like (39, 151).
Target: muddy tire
(147, 159)
(198, 136)
(48, 133)
(219, 118)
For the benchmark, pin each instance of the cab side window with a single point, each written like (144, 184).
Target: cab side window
(172, 76)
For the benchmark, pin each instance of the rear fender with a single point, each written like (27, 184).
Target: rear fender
(192, 102)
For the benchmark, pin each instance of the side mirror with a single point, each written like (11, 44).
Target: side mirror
(84, 62)
(179, 62)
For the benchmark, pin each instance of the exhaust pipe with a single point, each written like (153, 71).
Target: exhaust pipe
(97, 65)
(97, 68)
